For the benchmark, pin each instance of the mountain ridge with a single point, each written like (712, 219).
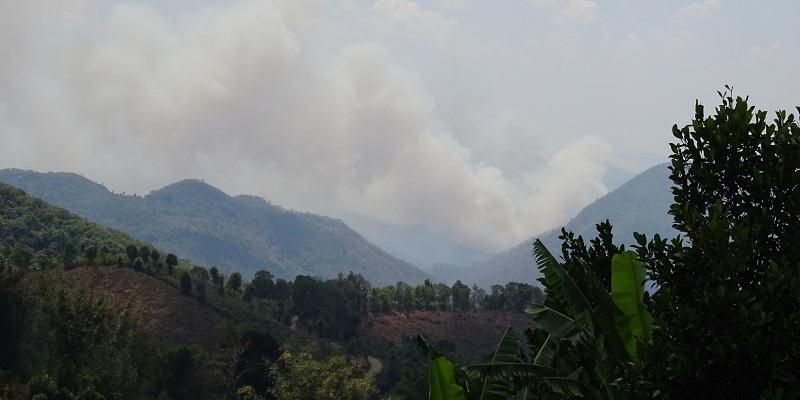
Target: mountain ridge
(638, 205)
(236, 233)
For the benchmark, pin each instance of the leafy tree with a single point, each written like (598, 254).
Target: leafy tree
(404, 297)
(215, 276)
(138, 264)
(200, 274)
(442, 295)
(102, 253)
(13, 312)
(478, 297)
(171, 261)
(335, 377)
(401, 374)
(425, 295)
(727, 295)
(355, 289)
(282, 289)
(89, 343)
(144, 253)
(247, 296)
(156, 257)
(186, 283)
(261, 349)
(132, 251)
(45, 260)
(235, 281)
(181, 365)
(461, 293)
(90, 252)
(70, 253)
(263, 286)
(21, 256)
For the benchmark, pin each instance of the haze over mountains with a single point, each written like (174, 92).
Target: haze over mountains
(247, 233)
(241, 233)
(639, 205)
(418, 244)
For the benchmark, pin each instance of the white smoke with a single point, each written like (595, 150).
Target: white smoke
(235, 94)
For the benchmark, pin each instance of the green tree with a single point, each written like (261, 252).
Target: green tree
(45, 260)
(461, 293)
(90, 252)
(263, 286)
(144, 253)
(156, 257)
(21, 256)
(171, 261)
(215, 276)
(283, 290)
(478, 297)
(727, 298)
(70, 253)
(235, 281)
(102, 253)
(248, 295)
(334, 377)
(132, 251)
(138, 264)
(425, 295)
(442, 294)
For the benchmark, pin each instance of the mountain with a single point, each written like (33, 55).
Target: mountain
(243, 233)
(639, 205)
(415, 243)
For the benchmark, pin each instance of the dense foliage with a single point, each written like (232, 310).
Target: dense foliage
(61, 342)
(35, 235)
(36, 294)
(237, 234)
(729, 289)
(305, 374)
(724, 315)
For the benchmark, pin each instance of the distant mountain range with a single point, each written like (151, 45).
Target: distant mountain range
(243, 233)
(639, 205)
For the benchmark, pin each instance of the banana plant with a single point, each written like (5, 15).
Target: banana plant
(627, 292)
(441, 374)
(580, 317)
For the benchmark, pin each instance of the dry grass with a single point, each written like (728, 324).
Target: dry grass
(475, 334)
(163, 311)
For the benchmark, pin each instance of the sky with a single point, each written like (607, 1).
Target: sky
(486, 121)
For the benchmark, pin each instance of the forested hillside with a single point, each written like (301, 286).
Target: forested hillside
(242, 233)
(89, 311)
(639, 205)
(86, 310)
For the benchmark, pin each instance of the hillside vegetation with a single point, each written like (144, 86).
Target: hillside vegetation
(243, 233)
(89, 311)
(133, 321)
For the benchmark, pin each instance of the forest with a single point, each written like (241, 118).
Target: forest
(42, 309)
(710, 313)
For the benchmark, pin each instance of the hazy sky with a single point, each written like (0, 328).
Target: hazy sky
(488, 121)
